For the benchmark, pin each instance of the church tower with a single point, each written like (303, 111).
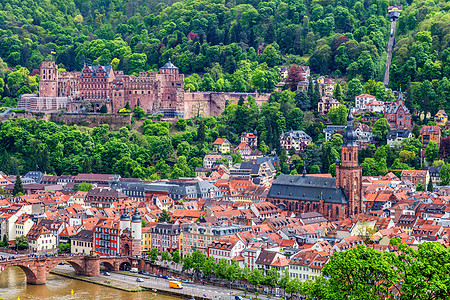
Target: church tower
(348, 172)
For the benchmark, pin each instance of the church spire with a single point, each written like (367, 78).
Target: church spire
(350, 137)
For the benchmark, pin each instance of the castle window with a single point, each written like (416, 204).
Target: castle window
(350, 156)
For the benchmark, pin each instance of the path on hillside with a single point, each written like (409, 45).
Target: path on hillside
(390, 50)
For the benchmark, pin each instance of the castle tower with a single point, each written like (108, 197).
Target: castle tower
(348, 172)
(171, 89)
(136, 233)
(48, 84)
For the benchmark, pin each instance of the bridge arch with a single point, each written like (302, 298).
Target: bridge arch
(124, 265)
(108, 266)
(77, 266)
(30, 275)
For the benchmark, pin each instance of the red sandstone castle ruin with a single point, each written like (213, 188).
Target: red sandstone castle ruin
(98, 86)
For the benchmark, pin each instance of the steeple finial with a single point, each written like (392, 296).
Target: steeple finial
(304, 170)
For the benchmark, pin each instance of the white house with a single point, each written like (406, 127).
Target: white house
(227, 248)
(362, 100)
(395, 137)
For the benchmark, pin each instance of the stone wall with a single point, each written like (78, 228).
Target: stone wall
(213, 103)
(115, 121)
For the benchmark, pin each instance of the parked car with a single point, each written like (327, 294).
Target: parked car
(106, 273)
(165, 277)
(134, 270)
(141, 272)
(171, 278)
(139, 279)
(238, 297)
(187, 281)
(154, 275)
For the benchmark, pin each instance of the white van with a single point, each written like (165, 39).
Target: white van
(134, 270)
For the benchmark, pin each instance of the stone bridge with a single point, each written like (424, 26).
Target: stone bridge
(37, 268)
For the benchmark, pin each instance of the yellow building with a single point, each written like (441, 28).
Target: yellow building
(82, 242)
(441, 118)
(23, 225)
(41, 239)
(221, 145)
(430, 133)
(146, 242)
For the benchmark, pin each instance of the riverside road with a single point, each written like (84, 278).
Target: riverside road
(160, 284)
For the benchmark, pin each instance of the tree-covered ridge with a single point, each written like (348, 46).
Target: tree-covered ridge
(196, 34)
(421, 62)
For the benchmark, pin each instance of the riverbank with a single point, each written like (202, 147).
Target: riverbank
(13, 285)
(100, 281)
(127, 282)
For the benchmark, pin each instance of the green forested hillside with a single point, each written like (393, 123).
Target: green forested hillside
(422, 56)
(237, 42)
(196, 33)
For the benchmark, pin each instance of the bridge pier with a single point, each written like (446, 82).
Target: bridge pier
(91, 266)
(39, 276)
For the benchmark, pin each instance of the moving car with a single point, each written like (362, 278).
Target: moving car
(139, 279)
(106, 273)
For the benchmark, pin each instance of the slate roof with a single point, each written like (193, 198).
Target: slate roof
(434, 171)
(94, 70)
(296, 135)
(400, 133)
(35, 175)
(169, 65)
(84, 235)
(308, 188)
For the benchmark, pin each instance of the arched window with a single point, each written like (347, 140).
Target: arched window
(349, 156)
(337, 211)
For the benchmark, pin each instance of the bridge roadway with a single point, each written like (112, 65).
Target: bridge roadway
(37, 267)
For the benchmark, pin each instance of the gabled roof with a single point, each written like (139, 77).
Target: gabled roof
(219, 141)
(94, 69)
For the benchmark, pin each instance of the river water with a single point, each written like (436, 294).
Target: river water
(13, 285)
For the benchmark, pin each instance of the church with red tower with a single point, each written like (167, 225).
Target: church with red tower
(335, 198)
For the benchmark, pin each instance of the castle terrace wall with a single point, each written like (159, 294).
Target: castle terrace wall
(115, 121)
(213, 103)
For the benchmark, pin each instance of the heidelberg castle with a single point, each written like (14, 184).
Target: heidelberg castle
(98, 86)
